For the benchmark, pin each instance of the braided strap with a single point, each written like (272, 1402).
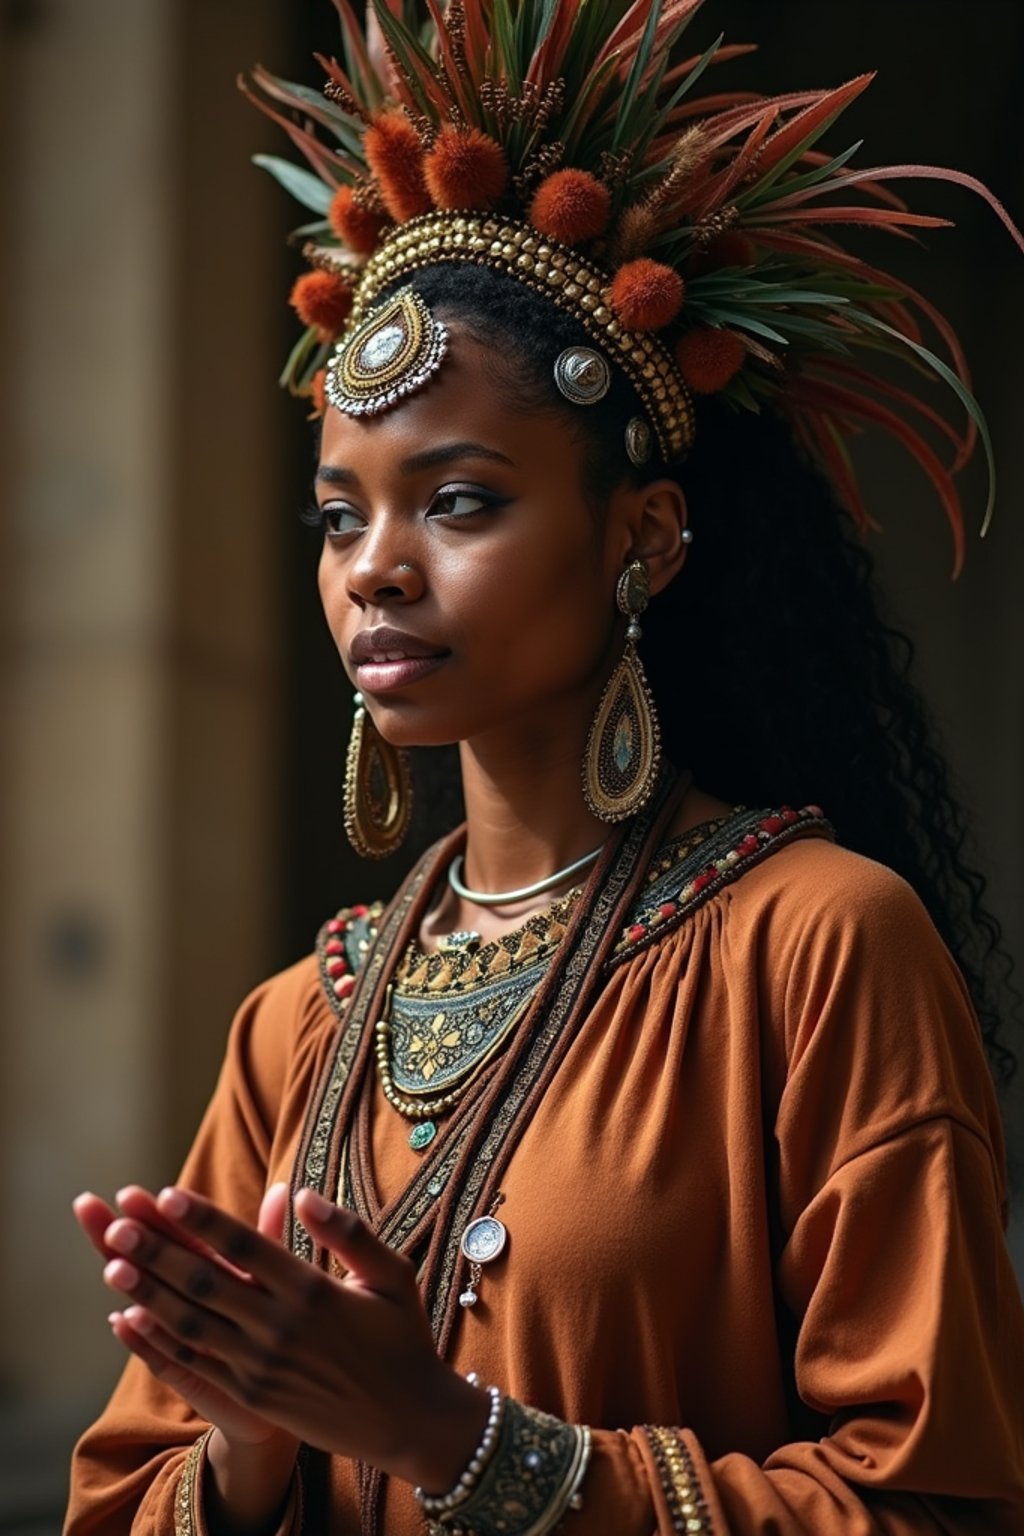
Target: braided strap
(532, 1477)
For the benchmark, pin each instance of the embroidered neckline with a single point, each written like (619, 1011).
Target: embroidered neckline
(431, 973)
(733, 843)
(435, 973)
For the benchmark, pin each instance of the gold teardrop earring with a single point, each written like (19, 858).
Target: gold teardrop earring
(378, 789)
(623, 756)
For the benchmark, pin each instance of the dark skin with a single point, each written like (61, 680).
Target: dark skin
(464, 525)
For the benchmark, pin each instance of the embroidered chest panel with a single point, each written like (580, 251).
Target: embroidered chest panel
(448, 1007)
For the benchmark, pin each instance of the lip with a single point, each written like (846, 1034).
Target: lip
(385, 644)
(381, 676)
(385, 659)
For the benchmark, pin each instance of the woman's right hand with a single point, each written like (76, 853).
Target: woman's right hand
(239, 1427)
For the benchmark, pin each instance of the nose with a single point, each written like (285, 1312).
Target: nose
(382, 572)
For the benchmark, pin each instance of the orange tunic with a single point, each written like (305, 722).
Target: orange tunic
(762, 1201)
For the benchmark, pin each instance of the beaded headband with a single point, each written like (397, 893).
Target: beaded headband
(562, 275)
(566, 146)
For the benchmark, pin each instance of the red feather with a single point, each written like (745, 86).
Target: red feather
(333, 167)
(816, 393)
(812, 120)
(910, 172)
(801, 245)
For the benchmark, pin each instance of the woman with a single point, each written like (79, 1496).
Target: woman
(640, 1166)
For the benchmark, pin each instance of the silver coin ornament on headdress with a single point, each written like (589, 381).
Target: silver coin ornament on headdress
(394, 351)
(582, 375)
(639, 441)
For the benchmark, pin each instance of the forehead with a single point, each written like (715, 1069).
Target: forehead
(463, 399)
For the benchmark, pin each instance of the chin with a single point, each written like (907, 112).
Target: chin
(405, 724)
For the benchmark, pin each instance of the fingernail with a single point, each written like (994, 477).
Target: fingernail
(113, 1318)
(140, 1320)
(319, 1208)
(122, 1239)
(122, 1275)
(173, 1202)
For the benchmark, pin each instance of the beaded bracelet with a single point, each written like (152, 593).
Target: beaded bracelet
(530, 1480)
(445, 1503)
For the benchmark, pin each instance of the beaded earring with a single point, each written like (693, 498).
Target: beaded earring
(378, 789)
(623, 756)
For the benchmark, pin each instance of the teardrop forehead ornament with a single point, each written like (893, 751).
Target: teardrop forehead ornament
(394, 351)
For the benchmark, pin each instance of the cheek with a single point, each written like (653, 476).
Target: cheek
(531, 617)
(333, 595)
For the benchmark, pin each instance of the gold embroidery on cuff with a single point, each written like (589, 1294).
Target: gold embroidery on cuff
(679, 1482)
(187, 1499)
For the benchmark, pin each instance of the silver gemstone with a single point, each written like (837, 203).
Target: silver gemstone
(484, 1239)
(380, 348)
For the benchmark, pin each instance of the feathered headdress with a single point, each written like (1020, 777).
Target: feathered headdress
(569, 144)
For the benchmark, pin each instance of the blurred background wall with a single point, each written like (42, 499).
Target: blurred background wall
(173, 714)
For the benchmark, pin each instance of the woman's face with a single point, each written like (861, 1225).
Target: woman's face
(466, 581)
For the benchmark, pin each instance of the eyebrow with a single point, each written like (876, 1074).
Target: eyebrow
(428, 458)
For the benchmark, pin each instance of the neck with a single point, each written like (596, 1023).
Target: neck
(525, 813)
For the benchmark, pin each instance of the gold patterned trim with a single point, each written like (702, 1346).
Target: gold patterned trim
(316, 1164)
(566, 278)
(429, 973)
(188, 1497)
(679, 1482)
(188, 1520)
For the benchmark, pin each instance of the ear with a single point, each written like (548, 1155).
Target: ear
(657, 520)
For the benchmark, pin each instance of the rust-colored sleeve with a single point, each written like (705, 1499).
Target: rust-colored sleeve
(127, 1467)
(893, 1265)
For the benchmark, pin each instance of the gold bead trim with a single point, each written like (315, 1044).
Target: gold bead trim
(568, 279)
(679, 1482)
(187, 1495)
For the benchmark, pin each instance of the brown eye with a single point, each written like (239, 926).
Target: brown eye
(338, 518)
(463, 501)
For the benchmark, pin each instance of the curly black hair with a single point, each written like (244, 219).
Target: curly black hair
(777, 679)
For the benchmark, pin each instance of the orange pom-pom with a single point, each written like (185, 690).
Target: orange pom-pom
(356, 225)
(316, 392)
(395, 156)
(709, 359)
(647, 295)
(322, 299)
(571, 206)
(465, 169)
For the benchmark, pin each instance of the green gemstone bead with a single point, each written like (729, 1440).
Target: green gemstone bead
(422, 1135)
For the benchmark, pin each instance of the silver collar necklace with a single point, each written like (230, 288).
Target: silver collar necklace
(505, 898)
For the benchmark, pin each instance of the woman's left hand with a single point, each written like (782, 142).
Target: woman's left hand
(346, 1365)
